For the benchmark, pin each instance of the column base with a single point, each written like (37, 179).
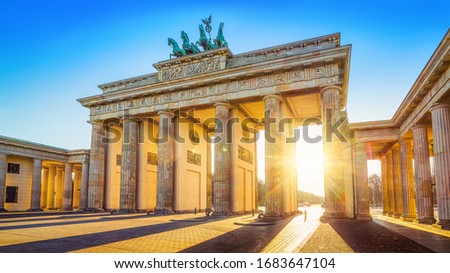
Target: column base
(442, 224)
(67, 209)
(92, 210)
(35, 210)
(3, 210)
(125, 211)
(385, 213)
(397, 215)
(366, 217)
(428, 221)
(164, 211)
(390, 214)
(222, 213)
(407, 218)
(335, 215)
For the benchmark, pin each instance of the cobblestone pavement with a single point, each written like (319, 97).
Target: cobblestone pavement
(103, 232)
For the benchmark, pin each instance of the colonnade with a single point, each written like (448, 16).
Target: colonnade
(407, 183)
(226, 184)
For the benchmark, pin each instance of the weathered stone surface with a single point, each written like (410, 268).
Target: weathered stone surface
(407, 178)
(440, 114)
(422, 176)
(390, 183)
(165, 179)
(68, 187)
(35, 203)
(333, 158)
(384, 185)
(398, 195)
(2, 181)
(362, 184)
(96, 167)
(273, 157)
(222, 180)
(128, 174)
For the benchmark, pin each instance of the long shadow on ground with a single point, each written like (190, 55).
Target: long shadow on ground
(73, 243)
(246, 239)
(104, 218)
(369, 237)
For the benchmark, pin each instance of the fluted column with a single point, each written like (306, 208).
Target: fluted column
(333, 157)
(422, 175)
(2, 181)
(165, 176)
(76, 189)
(362, 183)
(398, 198)
(96, 167)
(384, 183)
(36, 179)
(44, 188)
(128, 172)
(440, 115)
(407, 177)
(273, 162)
(51, 187)
(84, 184)
(67, 201)
(222, 160)
(390, 183)
(59, 188)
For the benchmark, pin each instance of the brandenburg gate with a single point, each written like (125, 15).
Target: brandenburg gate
(152, 134)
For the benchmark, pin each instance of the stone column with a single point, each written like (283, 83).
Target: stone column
(51, 187)
(407, 177)
(165, 175)
(333, 158)
(96, 167)
(398, 198)
(128, 171)
(390, 183)
(222, 160)
(44, 188)
(440, 115)
(68, 187)
(362, 183)
(2, 182)
(35, 203)
(273, 156)
(384, 183)
(59, 188)
(76, 189)
(422, 175)
(84, 184)
(209, 186)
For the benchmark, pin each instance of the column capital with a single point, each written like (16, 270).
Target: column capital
(223, 103)
(388, 153)
(419, 126)
(395, 147)
(166, 113)
(277, 97)
(130, 118)
(330, 87)
(437, 106)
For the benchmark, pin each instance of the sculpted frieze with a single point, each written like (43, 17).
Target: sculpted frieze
(328, 72)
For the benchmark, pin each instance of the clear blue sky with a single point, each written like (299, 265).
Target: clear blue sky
(53, 52)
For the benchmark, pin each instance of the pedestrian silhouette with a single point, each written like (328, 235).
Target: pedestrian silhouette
(304, 220)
